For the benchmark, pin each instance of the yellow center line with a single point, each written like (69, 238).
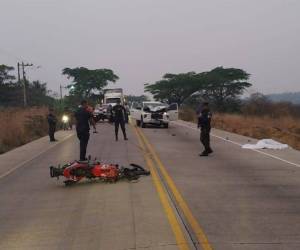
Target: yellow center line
(176, 228)
(178, 197)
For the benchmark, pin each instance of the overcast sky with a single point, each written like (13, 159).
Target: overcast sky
(143, 39)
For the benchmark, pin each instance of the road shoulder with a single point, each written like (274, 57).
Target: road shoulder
(17, 157)
(289, 155)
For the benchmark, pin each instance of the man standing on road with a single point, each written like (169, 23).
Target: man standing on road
(110, 113)
(127, 113)
(52, 124)
(119, 119)
(204, 120)
(84, 118)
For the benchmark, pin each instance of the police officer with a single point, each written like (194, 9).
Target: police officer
(52, 124)
(84, 118)
(127, 113)
(204, 120)
(110, 113)
(119, 119)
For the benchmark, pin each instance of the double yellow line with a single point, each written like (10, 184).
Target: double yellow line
(153, 160)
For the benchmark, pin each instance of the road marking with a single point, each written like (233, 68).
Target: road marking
(178, 233)
(32, 158)
(179, 199)
(238, 144)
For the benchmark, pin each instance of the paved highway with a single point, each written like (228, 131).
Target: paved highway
(234, 199)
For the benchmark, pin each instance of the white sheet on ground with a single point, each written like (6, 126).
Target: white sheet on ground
(266, 143)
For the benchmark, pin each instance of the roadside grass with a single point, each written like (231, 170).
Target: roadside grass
(19, 126)
(285, 129)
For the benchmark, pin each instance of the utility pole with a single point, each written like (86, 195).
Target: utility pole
(24, 85)
(19, 73)
(60, 88)
(24, 81)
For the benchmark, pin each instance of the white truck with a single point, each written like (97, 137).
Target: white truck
(154, 113)
(111, 96)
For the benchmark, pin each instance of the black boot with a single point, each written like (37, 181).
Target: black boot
(204, 153)
(209, 151)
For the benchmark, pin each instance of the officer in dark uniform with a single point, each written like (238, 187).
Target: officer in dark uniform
(127, 113)
(119, 119)
(204, 120)
(52, 124)
(110, 113)
(83, 118)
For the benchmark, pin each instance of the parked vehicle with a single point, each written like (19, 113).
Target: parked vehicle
(154, 113)
(111, 96)
(100, 112)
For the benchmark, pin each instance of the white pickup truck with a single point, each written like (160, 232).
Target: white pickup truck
(154, 113)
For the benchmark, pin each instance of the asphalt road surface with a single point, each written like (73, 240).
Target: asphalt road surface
(233, 199)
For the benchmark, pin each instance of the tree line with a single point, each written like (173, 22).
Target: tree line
(85, 83)
(222, 87)
(12, 91)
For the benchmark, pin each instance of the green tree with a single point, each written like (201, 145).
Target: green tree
(175, 87)
(10, 93)
(223, 86)
(38, 94)
(5, 76)
(85, 81)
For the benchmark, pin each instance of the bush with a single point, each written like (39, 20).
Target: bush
(20, 126)
(260, 105)
(187, 114)
(285, 129)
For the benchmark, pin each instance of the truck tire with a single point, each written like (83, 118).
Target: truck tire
(138, 123)
(166, 125)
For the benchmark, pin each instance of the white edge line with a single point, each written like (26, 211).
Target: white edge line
(238, 144)
(32, 158)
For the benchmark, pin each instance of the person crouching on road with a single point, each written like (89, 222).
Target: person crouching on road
(119, 119)
(204, 122)
(84, 117)
(52, 121)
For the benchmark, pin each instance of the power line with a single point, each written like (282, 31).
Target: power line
(23, 66)
(17, 58)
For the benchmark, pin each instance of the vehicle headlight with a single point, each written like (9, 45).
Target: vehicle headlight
(65, 118)
(165, 113)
